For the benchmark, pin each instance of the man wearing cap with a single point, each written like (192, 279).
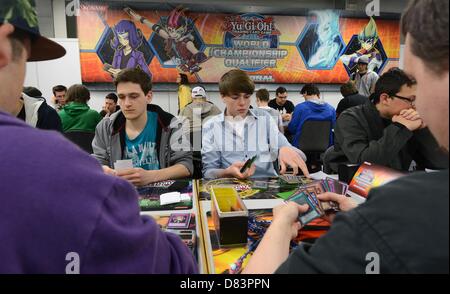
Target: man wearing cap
(197, 113)
(364, 78)
(60, 213)
(199, 109)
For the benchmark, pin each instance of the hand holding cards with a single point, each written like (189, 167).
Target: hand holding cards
(248, 164)
(307, 194)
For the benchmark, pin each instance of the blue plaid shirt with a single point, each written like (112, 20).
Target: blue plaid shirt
(222, 145)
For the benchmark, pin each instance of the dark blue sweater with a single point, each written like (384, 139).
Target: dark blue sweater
(310, 111)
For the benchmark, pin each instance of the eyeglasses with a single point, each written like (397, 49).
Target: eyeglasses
(410, 101)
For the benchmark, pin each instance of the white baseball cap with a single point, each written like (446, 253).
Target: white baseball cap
(364, 59)
(198, 92)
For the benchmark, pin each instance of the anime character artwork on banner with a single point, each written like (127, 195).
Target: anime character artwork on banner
(366, 43)
(174, 40)
(319, 48)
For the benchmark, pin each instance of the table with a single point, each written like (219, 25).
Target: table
(218, 259)
(162, 217)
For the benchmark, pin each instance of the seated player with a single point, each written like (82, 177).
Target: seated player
(76, 115)
(239, 134)
(262, 100)
(34, 110)
(402, 228)
(389, 131)
(142, 132)
(313, 108)
(60, 214)
(110, 105)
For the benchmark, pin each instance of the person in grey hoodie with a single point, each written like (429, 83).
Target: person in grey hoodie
(196, 114)
(205, 109)
(152, 138)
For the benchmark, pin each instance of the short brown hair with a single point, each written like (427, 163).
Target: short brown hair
(426, 21)
(59, 88)
(236, 81)
(263, 95)
(348, 89)
(18, 38)
(78, 93)
(136, 76)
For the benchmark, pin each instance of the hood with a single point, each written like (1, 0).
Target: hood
(32, 106)
(317, 105)
(76, 108)
(164, 118)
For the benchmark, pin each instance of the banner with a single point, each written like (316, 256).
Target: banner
(320, 48)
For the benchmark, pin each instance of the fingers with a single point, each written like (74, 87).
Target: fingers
(283, 167)
(303, 167)
(410, 114)
(302, 208)
(295, 168)
(239, 164)
(250, 172)
(126, 172)
(131, 177)
(109, 171)
(329, 196)
(296, 163)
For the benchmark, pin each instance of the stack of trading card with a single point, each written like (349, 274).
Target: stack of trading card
(307, 194)
(179, 221)
(291, 179)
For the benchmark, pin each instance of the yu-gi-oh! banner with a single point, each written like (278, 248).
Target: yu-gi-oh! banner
(319, 48)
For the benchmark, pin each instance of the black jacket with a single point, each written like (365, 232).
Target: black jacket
(350, 101)
(362, 135)
(404, 222)
(103, 113)
(39, 114)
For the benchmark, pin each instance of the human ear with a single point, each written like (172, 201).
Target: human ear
(149, 97)
(5, 44)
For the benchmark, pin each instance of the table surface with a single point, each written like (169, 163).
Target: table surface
(218, 259)
(201, 205)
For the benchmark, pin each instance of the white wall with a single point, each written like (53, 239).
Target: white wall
(65, 71)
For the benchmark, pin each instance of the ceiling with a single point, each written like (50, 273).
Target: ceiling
(388, 9)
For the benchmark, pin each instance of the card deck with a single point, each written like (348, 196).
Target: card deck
(179, 221)
(314, 210)
(260, 185)
(307, 193)
(291, 179)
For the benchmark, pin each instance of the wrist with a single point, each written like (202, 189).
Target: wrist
(283, 228)
(400, 125)
(226, 173)
(150, 177)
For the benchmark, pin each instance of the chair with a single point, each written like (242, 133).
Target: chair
(82, 139)
(315, 140)
(197, 155)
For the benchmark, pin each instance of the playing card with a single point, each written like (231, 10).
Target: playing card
(312, 213)
(123, 164)
(179, 221)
